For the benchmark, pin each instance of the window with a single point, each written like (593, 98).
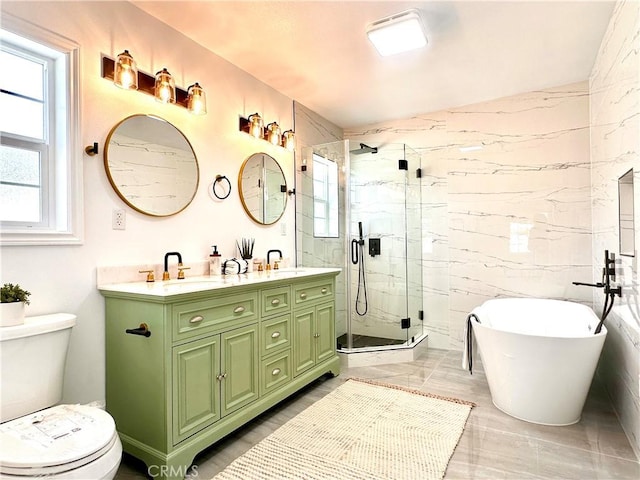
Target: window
(325, 197)
(40, 170)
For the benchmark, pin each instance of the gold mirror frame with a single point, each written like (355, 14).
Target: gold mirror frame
(151, 165)
(260, 183)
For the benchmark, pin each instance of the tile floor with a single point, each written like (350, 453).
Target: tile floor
(493, 445)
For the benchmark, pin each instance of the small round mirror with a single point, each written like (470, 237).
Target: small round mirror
(151, 165)
(263, 188)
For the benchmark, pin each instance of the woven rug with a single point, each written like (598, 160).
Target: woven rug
(361, 430)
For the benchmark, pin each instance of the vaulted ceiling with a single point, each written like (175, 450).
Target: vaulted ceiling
(317, 52)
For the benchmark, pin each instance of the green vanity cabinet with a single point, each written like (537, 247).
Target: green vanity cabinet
(217, 356)
(314, 336)
(212, 378)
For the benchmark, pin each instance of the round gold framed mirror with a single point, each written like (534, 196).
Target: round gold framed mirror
(263, 188)
(151, 165)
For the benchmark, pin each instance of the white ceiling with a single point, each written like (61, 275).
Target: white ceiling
(317, 52)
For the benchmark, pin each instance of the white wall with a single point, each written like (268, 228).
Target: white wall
(615, 148)
(63, 278)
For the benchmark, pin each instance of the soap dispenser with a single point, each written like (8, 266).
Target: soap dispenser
(214, 262)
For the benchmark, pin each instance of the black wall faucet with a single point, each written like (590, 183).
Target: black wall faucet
(165, 275)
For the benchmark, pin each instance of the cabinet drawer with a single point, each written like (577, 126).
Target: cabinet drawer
(199, 317)
(310, 292)
(275, 300)
(276, 371)
(275, 334)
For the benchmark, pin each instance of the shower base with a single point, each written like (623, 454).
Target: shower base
(381, 355)
(360, 341)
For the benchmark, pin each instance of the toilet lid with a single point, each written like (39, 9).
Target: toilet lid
(55, 439)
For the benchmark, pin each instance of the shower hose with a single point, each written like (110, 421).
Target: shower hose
(357, 258)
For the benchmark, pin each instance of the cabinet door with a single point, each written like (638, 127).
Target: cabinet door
(196, 400)
(239, 369)
(303, 341)
(325, 332)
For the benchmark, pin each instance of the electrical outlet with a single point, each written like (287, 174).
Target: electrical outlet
(118, 219)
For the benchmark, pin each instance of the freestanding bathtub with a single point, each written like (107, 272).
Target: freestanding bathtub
(539, 356)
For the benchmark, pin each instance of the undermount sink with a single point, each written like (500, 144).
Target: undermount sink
(191, 281)
(288, 270)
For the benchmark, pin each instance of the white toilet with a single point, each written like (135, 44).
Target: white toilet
(36, 439)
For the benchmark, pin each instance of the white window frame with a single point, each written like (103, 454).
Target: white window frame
(328, 200)
(63, 221)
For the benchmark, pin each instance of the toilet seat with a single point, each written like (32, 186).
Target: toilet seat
(55, 440)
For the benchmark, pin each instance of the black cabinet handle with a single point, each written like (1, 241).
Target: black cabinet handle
(143, 330)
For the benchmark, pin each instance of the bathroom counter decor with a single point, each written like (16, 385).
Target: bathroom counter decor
(189, 361)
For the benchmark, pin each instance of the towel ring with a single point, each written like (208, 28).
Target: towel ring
(220, 178)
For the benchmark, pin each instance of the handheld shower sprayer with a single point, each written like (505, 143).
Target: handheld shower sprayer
(357, 258)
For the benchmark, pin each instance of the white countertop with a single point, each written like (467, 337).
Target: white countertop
(167, 288)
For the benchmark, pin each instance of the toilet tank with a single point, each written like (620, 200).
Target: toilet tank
(32, 361)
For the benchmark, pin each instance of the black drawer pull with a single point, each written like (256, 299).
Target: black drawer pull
(143, 330)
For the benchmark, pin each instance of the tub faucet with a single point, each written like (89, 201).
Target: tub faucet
(269, 255)
(165, 275)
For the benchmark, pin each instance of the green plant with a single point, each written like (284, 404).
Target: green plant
(10, 293)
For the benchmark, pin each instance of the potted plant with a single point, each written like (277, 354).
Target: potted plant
(12, 304)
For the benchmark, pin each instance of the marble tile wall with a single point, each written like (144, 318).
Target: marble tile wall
(315, 133)
(512, 216)
(615, 148)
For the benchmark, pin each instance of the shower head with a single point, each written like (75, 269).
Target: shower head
(364, 149)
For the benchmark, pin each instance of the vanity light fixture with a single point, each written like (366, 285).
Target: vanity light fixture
(254, 126)
(397, 33)
(273, 133)
(124, 73)
(196, 99)
(165, 87)
(289, 140)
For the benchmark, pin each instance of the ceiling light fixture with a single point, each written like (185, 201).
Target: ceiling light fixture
(397, 33)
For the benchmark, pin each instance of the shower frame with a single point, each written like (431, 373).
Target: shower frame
(313, 251)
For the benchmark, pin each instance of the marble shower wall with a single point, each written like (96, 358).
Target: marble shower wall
(387, 202)
(615, 148)
(511, 217)
(314, 131)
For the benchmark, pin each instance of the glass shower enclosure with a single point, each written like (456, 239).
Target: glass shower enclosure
(358, 208)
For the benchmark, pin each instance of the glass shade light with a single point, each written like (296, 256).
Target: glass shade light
(165, 87)
(125, 72)
(256, 126)
(398, 33)
(289, 140)
(274, 134)
(196, 100)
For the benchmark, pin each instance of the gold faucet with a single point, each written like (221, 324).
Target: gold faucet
(181, 271)
(150, 275)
